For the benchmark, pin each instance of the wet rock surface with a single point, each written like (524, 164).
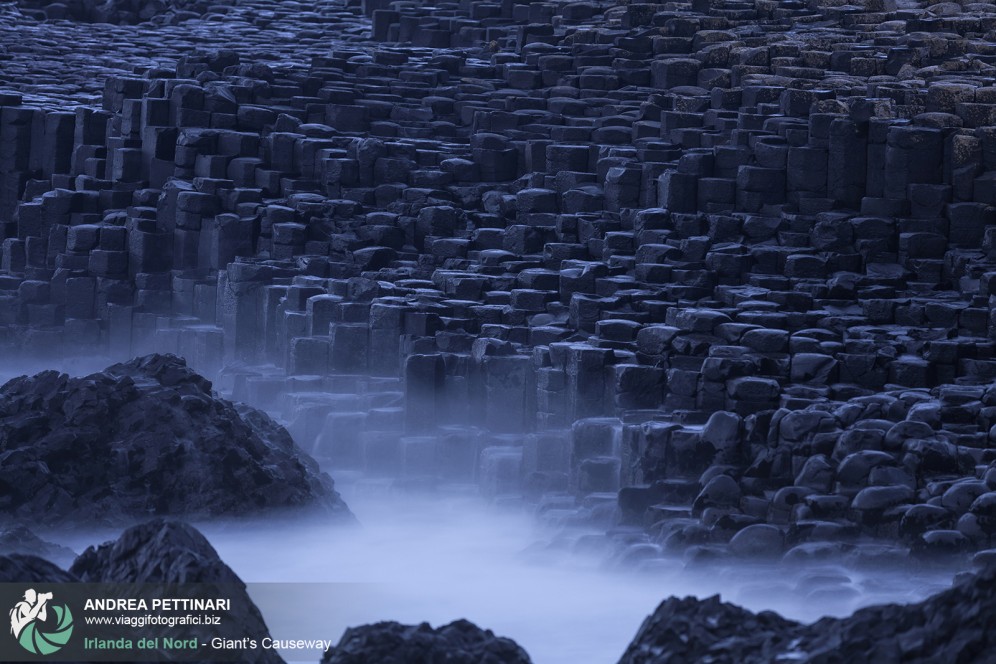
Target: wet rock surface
(952, 626)
(460, 642)
(146, 437)
(734, 259)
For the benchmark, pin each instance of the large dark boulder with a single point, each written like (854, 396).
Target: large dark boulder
(158, 551)
(146, 437)
(460, 642)
(170, 552)
(952, 626)
(694, 630)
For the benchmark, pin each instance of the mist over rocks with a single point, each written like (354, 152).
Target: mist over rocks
(718, 275)
(732, 259)
(20, 540)
(460, 642)
(952, 626)
(146, 437)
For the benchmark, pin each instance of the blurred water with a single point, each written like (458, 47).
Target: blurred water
(437, 559)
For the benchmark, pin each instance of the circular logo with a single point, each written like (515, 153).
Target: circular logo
(30, 624)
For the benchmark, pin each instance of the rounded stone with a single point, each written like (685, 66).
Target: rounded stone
(758, 541)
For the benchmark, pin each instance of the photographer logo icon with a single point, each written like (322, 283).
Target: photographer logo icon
(31, 625)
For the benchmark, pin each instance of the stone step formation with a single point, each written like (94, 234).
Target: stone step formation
(722, 269)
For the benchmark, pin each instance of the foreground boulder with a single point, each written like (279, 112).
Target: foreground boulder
(952, 626)
(170, 552)
(460, 642)
(146, 437)
(157, 552)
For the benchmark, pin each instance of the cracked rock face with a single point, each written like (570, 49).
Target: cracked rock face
(952, 626)
(158, 551)
(143, 438)
(460, 642)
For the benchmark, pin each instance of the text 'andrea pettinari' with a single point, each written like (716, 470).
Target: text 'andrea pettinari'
(158, 604)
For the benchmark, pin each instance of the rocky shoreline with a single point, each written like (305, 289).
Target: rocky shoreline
(946, 627)
(950, 626)
(715, 276)
(727, 261)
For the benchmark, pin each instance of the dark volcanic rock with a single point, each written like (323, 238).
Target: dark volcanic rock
(145, 437)
(952, 626)
(170, 552)
(460, 642)
(159, 551)
(118, 12)
(639, 242)
(20, 540)
(692, 630)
